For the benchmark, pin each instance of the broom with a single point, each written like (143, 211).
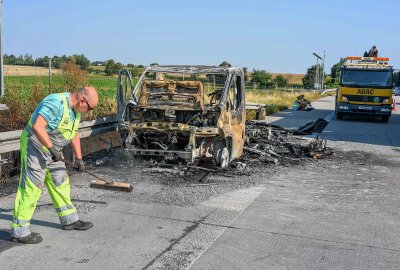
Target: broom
(104, 183)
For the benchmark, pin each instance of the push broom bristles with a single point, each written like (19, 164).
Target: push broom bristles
(112, 185)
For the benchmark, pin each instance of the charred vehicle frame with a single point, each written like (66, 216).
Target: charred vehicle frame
(183, 112)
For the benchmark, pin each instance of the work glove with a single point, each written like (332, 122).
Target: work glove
(56, 155)
(78, 165)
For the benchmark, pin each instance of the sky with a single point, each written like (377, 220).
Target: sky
(276, 36)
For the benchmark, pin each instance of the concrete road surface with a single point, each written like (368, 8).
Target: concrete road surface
(293, 119)
(341, 212)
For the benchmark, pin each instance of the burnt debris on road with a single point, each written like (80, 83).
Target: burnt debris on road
(273, 142)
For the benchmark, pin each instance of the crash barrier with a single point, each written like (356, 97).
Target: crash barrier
(328, 90)
(9, 141)
(261, 112)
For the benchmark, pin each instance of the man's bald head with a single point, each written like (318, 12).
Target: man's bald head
(90, 94)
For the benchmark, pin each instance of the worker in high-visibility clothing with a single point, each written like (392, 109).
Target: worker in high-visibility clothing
(52, 126)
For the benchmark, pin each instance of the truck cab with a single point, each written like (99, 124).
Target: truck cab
(365, 87)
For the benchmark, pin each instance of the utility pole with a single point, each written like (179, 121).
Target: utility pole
(1, 53)
(317, 83)
(50, 72)
(323, 73)
(3, 107)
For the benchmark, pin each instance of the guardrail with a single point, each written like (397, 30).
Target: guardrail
(9, 141)
(328, 90)
(254, 106)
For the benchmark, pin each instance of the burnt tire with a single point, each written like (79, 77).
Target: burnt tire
(223, 157)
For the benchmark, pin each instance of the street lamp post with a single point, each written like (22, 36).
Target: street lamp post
(1, 54)
(323, 73)
(317, 82)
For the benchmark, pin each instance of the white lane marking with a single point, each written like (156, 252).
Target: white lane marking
(227, 209)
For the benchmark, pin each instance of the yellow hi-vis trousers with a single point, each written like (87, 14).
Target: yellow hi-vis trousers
(38, 169)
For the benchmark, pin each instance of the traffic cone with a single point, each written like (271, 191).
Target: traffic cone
(394, 105)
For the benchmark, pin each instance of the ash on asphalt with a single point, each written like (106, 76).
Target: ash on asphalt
(155, 182)
(164, 183)
(179, 185)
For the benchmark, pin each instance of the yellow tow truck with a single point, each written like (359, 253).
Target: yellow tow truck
(365, 87)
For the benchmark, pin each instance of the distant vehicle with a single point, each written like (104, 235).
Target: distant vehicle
(396, 91)
(365, 87)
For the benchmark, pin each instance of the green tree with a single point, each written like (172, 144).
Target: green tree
(58, 61)
(111, 67)
(335, 70)
(81, 60)
(28, 60)
(245, 74)
(154, 64)
(280, 81)
(136, 71)
(225, 64)
(20, 60)
(39, 62)
(118, 66)
(261, 77)
(309, 78)
(9, 59)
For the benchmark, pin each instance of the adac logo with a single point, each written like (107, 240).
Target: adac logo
(365, 91)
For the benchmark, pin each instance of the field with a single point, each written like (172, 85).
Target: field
(292, 78)
(23, 93)
(12, 70)
(275, 101)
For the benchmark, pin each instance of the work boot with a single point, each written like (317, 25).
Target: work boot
(33, 238)
(78, 225)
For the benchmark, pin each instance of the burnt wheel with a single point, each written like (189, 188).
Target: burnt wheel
(222, 157)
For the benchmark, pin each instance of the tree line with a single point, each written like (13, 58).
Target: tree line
(56, 61)
(111, 67)
(259, 78)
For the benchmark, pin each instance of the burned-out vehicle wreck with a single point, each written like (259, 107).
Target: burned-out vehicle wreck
(183, 113)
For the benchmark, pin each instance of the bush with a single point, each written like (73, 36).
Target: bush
(21, 101)
(73, 77)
